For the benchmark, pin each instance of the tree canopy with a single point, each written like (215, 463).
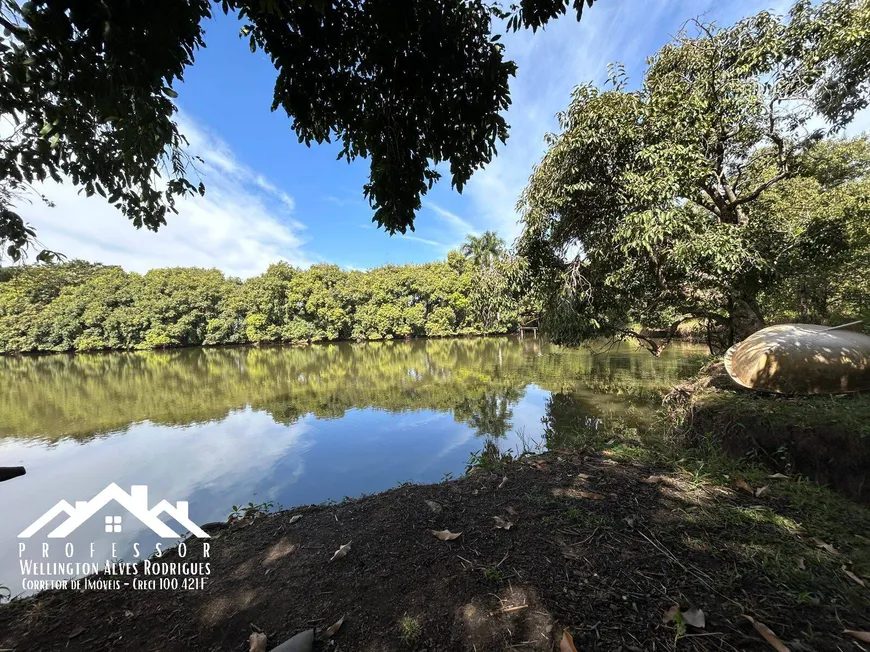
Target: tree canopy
(86, 88)
(713, 187)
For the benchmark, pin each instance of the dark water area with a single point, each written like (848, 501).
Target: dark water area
(224, 426)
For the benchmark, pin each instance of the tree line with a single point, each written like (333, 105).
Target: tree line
(82, 306)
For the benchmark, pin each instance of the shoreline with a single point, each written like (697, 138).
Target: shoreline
(600, 545)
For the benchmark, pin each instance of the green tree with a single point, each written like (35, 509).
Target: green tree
(651, 206)
(405, 83)
(484, 249)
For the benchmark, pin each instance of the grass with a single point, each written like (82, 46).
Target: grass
(493, 574)
(409, 630)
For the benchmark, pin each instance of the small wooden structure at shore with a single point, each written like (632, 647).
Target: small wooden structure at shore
(531, 326)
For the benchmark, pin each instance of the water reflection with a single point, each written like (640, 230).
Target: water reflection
(218, 427)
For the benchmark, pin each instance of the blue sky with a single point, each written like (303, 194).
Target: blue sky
(271, 198)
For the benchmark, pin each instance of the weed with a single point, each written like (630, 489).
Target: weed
(409, 630)
(252, 510)
(493, 574)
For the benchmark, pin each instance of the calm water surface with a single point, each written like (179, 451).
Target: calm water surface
(224, 426)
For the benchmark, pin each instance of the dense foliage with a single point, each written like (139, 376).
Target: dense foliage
(86, 87)
(708, 193)
(80, 306)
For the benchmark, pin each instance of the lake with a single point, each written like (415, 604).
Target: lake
(219, 427)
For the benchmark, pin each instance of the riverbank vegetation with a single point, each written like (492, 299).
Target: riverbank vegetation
(719, 190)
(80, 306)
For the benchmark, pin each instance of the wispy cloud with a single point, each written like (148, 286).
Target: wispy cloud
(462, 226)
(242, 224)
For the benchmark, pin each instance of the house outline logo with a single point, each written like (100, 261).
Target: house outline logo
(135, 502)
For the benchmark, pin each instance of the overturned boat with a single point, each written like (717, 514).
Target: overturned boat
(802, 359)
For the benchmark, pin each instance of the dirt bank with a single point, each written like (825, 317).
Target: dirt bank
(593, 548)
(826, 438)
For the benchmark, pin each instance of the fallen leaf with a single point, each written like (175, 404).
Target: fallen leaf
(293, 519)
(502, 523)
(653, 479)
(302, 642)
(591, 495)
(853, 577)
(583, 476)
(778, 476)
(341, 552)
(446, 535)
(695, 618)
(670, 614)
(129, 614)
(567, 644)
(827, 547)
(503, 482)
(435, 507)
(331, 630)
(510, 510)
(78, 631)
(801, 564)
(864, 637)
(761, 491)
(541, 466)
(257, 642)
(768, 635)
(742, 484)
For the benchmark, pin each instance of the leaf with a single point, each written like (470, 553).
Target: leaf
(446, 535)
(567, 643)
(502, 523)
(301, 642)
(341, 552)
(503, 482)
(778, 476)
(583, 476)
(670, 614)
(853, 577)
(695, 618)
(768, 635)
(591, 495)
(827, 547)
(864, 637)
(257, 642)
(742, 484)
(78, 631)
(541, 466)
(331, 630)
(653, 479)
(293, 519)
(761, 491)
(511, 511)
(801, 564)
(435, 507)
(169, 92)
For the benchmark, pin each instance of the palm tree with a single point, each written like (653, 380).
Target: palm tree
(483, 250)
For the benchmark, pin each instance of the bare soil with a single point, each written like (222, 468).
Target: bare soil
(592, 549)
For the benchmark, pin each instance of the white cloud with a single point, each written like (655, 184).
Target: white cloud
(461, 226)
(241, 225)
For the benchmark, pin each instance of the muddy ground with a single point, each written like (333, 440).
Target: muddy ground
(593, 549)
